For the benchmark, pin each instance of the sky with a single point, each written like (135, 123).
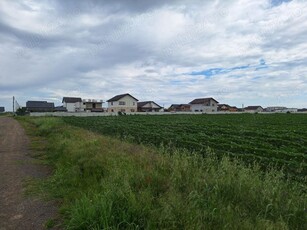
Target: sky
(250, 52)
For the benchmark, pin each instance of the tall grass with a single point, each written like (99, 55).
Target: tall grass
(105, 183)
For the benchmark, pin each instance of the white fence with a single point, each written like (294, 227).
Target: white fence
(89, 114)
(103, 114)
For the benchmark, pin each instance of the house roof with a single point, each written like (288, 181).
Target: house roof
(202, 100)
(142, 103)
(221, 105)
(118, 97)
(60, 109)
(39, 104)
(71, 99)
(179, 105)
(253, 107)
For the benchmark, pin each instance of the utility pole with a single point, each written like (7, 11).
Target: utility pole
(13, 104)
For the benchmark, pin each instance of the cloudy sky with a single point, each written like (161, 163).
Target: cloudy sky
(239, 52)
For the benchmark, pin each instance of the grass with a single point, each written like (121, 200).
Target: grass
(279, 139)
(106, 183)
(6, 114)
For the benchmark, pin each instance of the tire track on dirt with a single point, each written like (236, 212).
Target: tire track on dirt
(18, 211)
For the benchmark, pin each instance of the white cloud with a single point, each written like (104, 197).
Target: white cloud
(99, 49)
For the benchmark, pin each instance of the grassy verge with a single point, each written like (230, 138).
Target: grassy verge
(106, 183)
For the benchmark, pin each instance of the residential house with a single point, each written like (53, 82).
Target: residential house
(60, 109)
(289, 110)
(39, 106)
(92, 105)
(304, 110)
(148, 106)
(274, 108)
(205, 105)
(122, 103)
(226, 108)
(253, 109)
(2, 109)
(73, 104)
(179, 108)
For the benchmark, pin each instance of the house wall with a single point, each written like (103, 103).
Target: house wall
(74, 107)
(212, 107)
(150, 106)
(130, 105)
(180, 109)
(89, 105)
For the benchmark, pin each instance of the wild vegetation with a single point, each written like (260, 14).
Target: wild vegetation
(104, 182)
(273, 139)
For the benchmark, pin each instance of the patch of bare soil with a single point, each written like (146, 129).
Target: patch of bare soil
(17, 210)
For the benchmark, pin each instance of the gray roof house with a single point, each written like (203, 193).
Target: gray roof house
(180, 108)
(39, 106)
(148, 106)
(122, 103)
(253, 109)
(205, 105)
(73, 104)
(2, 109)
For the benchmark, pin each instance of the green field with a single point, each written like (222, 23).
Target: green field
(272, 139)
(102, 182)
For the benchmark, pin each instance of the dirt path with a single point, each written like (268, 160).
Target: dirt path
(18, 211)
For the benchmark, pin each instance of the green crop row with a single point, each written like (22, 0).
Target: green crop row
(273, 139)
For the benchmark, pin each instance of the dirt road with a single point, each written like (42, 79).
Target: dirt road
(18, 211)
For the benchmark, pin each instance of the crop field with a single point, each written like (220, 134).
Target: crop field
(272, 139)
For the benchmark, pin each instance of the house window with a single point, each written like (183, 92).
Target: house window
(213, 105)
(132, 110)
(123, 110)
(122, 103)
(111, 103)
(133, 104)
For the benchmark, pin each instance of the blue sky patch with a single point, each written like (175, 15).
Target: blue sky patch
(215, 71)
(278, 2)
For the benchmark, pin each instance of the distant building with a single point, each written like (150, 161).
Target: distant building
(180, 108)
(148, 106)
(60, 109)
(122, 103)
(2, 109)
(289, 110)
(92, 105)
(253, 109)
(302, 110)
(226, 108)
(280, 109)
(205, 105)
(73, 104)
(39, 106)
(274, 108)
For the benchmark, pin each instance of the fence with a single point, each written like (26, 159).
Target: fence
(89, 114)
